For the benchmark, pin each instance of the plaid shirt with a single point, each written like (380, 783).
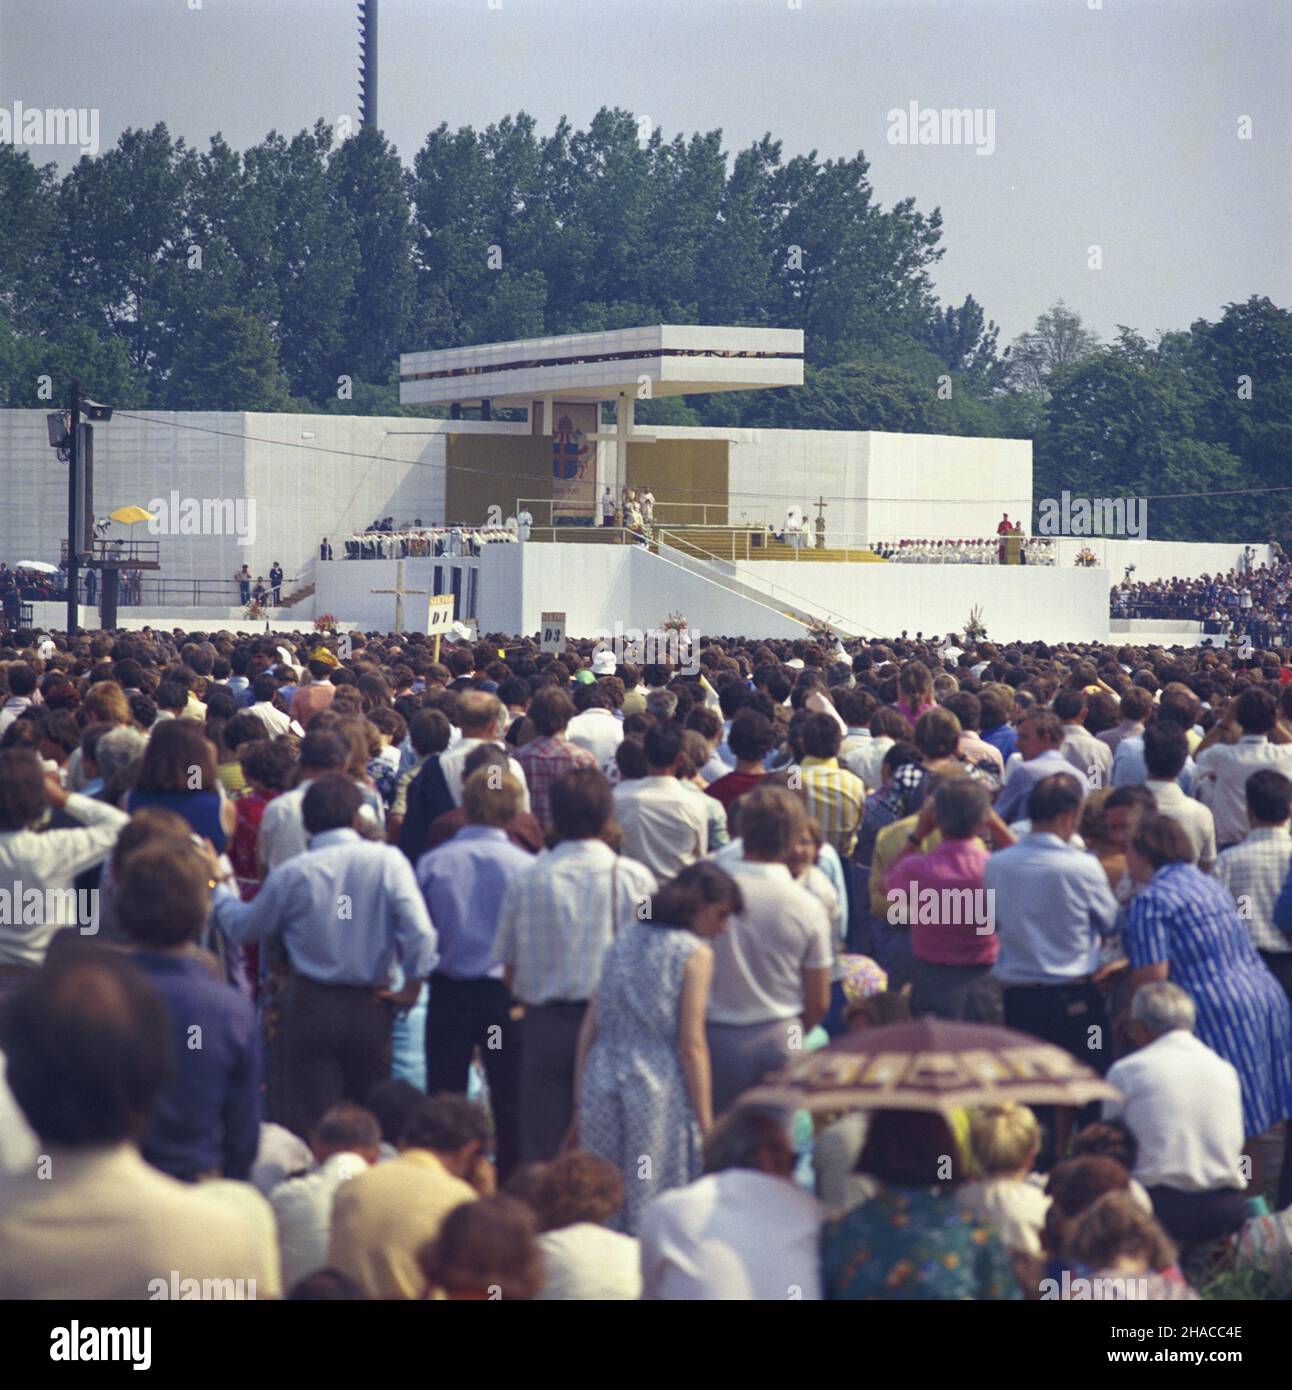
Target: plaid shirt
(1253, 873)
(545, 760)
(835, 798)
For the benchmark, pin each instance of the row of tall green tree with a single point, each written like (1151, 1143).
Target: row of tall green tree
(292, 275)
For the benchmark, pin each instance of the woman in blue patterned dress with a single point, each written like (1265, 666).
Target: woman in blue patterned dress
(642, 1074)
(916, 1238)
(1184, 925)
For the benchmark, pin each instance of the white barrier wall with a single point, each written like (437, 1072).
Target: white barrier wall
(1024, 603)
(309, 475)
(926, 486)
(345, 588)
(1157, 559)
(599, 586)
(877, 485)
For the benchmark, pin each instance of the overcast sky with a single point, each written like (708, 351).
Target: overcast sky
(1116, 122)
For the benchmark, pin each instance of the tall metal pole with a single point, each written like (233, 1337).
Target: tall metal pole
(368, 62)
(73, 510)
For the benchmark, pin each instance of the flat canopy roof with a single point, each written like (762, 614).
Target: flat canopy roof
(677, 359)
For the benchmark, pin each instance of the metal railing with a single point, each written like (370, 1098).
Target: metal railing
(592, 535)
(760, 594)
(427, 542)
(742, 543)
(764, 591)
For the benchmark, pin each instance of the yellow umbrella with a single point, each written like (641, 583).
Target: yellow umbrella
(129, 515)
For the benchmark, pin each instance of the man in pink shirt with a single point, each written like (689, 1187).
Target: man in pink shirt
(951, 915)
(310, 699)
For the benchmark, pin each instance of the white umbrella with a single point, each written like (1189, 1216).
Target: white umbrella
(40, 566)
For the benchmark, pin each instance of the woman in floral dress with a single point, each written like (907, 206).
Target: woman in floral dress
(643, 1076)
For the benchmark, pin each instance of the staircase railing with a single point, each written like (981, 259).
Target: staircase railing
(769, 594)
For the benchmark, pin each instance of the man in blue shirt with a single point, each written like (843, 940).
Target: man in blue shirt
(206, 1120)
(1052, 907)
(359, 943)
(464, 882)
(1040, 736)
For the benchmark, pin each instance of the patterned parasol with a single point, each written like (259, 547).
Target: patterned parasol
(931, 1065)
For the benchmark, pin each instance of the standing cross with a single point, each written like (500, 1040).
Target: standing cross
(399, 591)
(821, 505)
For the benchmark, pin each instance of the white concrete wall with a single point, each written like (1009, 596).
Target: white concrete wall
(878, 486)
(310, 476)
(54, 616)
(937, 486)
(1018, 604)
(344, 588)
(599, 586)
(1157, 559)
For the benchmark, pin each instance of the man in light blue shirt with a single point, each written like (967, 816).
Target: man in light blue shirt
(1040, 736)
(1130, 769)
(464, 882)
(1052, 905)
(1179, 704)
(351, 920)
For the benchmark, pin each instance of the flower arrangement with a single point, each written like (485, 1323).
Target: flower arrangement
(675, 622)
(325, 622)
(975, 628)
(1086, 558)
(253, 610)
(821, 632)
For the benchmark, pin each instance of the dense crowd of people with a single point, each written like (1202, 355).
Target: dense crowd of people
(1249, 600)
(342, 971)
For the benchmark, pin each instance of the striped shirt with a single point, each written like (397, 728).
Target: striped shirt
(560, 914)
(835, 798)
(1186, 920)
(1253, 873)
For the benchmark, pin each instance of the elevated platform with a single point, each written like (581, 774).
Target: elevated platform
(676, 359)
(733, 543)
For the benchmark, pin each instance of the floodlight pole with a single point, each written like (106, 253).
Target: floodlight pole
(73, 480)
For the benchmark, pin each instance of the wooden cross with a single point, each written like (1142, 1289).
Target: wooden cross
(399, 591)
(821, 505)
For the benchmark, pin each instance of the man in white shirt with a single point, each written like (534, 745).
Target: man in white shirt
(743, 1231)
(1255, 871)
(22, 694)
(557, 918)
(282, 827)
(1184, 1105)
(583, 1261)
(1223, 768)
(665, 825)
(1165, 750)
(771, 968)
(262, 706)
(483, 719)
(596, 727)
(346, 1142)
(46, 862)
(1092, 758)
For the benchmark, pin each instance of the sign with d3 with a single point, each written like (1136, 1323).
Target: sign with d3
(553, 632)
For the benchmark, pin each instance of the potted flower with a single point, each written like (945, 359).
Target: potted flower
(975, 629)
(675, 622)
(325, 622)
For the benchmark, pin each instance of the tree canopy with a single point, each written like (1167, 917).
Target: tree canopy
(292, 275)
